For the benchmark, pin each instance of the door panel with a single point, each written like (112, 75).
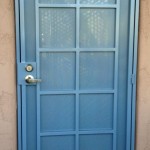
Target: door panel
(81, 50)
(101, 104)
(59, 119)
(63, 142)
(96, 142)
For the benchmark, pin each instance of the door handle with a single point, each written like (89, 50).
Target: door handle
(30, 79)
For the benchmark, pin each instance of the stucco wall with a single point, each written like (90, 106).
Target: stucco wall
(7, 77)
(143, 92)
(8, 86)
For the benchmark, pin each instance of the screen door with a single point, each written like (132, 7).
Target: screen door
(74, 74)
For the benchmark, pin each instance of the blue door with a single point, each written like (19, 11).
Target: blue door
(75, 74)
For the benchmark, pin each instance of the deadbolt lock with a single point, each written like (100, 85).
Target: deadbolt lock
(29, 68)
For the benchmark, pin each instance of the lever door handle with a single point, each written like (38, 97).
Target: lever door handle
(30, 79)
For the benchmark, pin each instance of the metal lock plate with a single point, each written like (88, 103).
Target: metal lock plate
(29, 68)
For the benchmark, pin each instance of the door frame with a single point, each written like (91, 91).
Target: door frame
(132, 73)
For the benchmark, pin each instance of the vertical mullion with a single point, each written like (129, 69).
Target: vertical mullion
(24, 119)
(38, 76)
(77, 73)
(22, 28)
(116, 75)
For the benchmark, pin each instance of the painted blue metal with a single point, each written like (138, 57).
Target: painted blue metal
(116, 75)
(135, 73)
(79, 135)
(78, 5)
(24, 119)
(38, 75)
(77, 75)
(22, 31)
(130, 86)
(23, 87)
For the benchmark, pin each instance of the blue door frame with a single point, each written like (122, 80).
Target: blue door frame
(132, 69)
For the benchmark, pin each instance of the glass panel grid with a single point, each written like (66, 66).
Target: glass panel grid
(77, 82)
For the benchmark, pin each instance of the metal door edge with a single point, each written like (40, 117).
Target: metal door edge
(132, 68)
(17, 28)
(135, 60)
(132, 71)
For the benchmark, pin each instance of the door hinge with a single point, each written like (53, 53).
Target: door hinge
(133, 79)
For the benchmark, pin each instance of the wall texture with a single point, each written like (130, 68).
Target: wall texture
(7, 77)
(143, 92)
(8, 86)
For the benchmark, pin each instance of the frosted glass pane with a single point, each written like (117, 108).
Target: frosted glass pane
(97, 28)
(57, 27)
(97, 70)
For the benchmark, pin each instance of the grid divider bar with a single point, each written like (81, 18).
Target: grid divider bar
(77, 5)
(46, 50)
(38, 76)
(77, 76)
(24, 120)
(74, 133)
(78, 92)
(116, 76)
(22, 32)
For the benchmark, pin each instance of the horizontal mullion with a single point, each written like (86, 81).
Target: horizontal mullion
(97, 49)
(96, 91)
(97, 132)
(76, 132)
(78, 5)
(77, 49)
(56, 5)
(78, 92)
(57, 50)
(57, 133)
(56, 92)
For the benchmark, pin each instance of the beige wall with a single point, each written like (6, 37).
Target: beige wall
(8, 86)
(143, 93)
(7, 77)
